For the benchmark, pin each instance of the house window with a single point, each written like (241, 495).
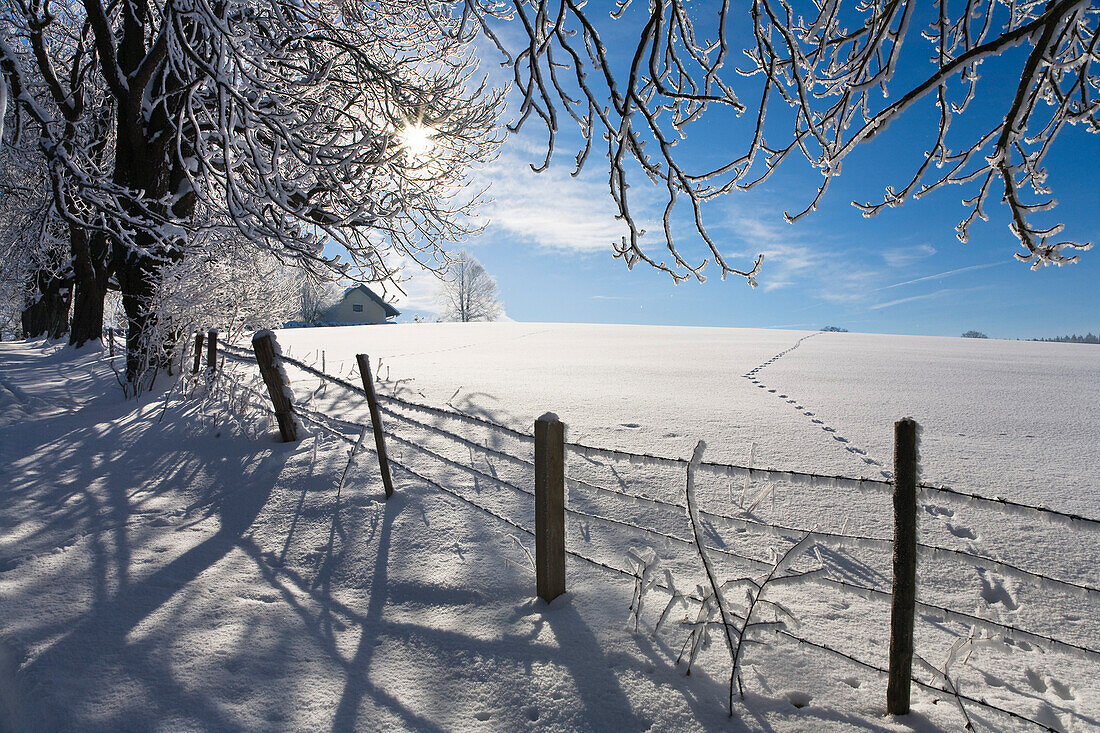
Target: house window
(357, 308)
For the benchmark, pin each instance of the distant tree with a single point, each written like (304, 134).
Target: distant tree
(1089, 338)
(974, 335)
(317, 296)
(469, 292)
(835, 329)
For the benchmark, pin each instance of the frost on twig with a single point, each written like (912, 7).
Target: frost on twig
(738, 605)
(944, 674)
(813, 81)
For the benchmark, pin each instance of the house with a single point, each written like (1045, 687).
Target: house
(358, 306)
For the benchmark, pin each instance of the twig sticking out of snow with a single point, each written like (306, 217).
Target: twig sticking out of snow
(945, 673)
(351, 460)
(733, 623)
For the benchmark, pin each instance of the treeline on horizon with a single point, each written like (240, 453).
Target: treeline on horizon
(1074, 339)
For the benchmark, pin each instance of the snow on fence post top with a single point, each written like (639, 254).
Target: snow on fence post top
(278, 384)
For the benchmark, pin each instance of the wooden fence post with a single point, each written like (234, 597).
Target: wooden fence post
(549, 507)
(905, 566)
(198, 352)
(376, 422)
(212, 350)
(263, 345)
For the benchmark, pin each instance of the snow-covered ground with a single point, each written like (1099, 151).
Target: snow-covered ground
(166, 565)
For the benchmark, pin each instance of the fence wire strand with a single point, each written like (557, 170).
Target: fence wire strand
(326, 423)
(726, 469)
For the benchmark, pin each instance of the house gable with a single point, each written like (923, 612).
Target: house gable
(360, 305)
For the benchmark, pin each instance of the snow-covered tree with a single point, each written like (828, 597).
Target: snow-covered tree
(316, 297)
(816, 80)
(224, 289)
(292, 123)
(468, 293)
(36, 278)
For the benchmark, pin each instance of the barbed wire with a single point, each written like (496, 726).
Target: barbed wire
(838, 539)
(817, 480)
(457, 438)
(1012, 632)
(438, 411)
(831, 538)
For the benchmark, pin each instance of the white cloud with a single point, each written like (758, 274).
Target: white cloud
(903, 256)
(793, 259)
(552, 209)
(786, 260)
(926, 296)
(421, 289)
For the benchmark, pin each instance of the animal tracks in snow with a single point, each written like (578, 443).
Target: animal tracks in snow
(994, 591)
(1042, 684)
(751, 375)
(961, 532)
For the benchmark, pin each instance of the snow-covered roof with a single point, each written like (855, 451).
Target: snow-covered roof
(391, 312)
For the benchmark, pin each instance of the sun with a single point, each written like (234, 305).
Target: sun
(418, 140)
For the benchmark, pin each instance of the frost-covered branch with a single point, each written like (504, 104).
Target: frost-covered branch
(824, 78)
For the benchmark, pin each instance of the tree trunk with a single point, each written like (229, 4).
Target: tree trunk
(90, 274)
(145, 160)
(152, 147)
(91, 256)
(47, 310)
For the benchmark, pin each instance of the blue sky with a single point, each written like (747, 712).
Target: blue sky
(548, 243)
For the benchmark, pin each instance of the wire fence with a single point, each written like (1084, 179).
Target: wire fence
(729, 470)
(396, 409)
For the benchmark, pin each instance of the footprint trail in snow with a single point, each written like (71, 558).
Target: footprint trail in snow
(753, 376)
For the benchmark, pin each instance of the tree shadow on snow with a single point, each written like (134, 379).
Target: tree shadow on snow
(92, 498)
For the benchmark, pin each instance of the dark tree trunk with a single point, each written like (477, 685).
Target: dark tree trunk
(137, 278)
(150, 153)
(90, 275)
(91, 256)
(47, 310)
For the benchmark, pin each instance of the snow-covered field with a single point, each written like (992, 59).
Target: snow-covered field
(165, 565)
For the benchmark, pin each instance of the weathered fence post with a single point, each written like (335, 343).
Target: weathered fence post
(905, 566)
(212, 350)
(549, 507)
(376, 422)
(198, 352)
(263, 345)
